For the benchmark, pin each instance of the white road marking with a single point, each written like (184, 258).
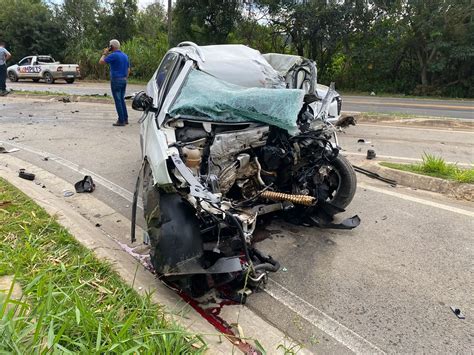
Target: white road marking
(124, 193)
(307, 311)
(321, 320)
(417, 200)
(400, 158)
(441, 129)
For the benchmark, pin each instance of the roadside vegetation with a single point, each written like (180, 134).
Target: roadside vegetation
(71, 302)
(409, 47)
(436, 167)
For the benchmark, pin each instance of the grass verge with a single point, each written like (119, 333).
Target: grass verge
(73, 97)
(437, 167)
(71, 302)
(38, 92)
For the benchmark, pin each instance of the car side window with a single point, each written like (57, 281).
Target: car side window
(25, 61)
(164, 70)
(46, 60)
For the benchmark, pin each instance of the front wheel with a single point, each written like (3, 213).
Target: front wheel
(48, 78)
(342, 181)
(12, 76)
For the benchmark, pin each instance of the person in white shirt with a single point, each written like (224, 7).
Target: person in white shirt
(4, 56)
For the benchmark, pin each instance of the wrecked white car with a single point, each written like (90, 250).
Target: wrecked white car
(228, 144)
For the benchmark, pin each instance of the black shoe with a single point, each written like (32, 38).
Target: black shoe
(120, 124)
(4, 92)
(126, 122)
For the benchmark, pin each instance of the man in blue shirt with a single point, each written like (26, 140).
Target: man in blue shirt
(119, 71)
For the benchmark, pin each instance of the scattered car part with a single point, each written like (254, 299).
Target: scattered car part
(67, 193)
(373, 175)
(3, 150)
(371, 154)
(25, 175)
(345, 122)
(457, 312)
(85, 185)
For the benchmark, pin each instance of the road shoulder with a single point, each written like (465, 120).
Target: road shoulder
(106, 232)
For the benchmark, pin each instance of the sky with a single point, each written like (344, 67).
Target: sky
(143, 3)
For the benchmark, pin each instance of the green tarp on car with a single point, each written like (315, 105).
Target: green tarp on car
(206, 97)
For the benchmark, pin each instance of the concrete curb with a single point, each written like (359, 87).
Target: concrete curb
(57, 97)
(460, 191)
(100, 228)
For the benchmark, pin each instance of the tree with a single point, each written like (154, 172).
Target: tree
(120, 21)
(205, 21)
(29, 27)
(79, 18)
(151, 22)
(431, 24)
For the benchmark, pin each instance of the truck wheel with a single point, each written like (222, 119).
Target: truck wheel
(48, 77)
(69, 81)
(36, 80)
(12, 76)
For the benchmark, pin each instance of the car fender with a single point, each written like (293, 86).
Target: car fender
(156, 150)
(12, 68)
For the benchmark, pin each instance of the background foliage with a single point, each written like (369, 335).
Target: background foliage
(399, 46)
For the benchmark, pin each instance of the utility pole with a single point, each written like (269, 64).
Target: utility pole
(170, 5)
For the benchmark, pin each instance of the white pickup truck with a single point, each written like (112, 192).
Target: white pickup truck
(43, 67)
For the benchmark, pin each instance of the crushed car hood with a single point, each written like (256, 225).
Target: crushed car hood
(207, 98)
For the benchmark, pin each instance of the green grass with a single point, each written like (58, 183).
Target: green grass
(93, 98)
(38, 92)
(436, 167)
(71, 301)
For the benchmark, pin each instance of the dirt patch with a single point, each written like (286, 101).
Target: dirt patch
(5, 286)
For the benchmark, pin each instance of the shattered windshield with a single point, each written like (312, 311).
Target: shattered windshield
(206, 97)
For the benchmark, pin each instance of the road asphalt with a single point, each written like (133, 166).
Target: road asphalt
(380, 104)
(386, 286)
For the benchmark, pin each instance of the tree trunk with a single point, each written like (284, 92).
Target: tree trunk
(424, 76)
(170, 4)
(423, 68)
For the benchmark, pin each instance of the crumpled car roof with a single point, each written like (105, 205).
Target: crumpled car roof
(234, 63)
(206, 97)
(282, 63)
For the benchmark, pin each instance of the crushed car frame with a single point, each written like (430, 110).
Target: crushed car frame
(228, 143)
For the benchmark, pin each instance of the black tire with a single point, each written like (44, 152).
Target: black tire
(48, 78)
(12, 76)
(347, 183)
(36, 80)
(69, 81)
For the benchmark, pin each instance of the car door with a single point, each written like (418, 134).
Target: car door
(26, 68)
(154, 142)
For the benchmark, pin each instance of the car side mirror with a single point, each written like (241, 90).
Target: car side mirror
(143, 102)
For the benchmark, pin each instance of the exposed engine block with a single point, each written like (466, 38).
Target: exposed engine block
(229, 162)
